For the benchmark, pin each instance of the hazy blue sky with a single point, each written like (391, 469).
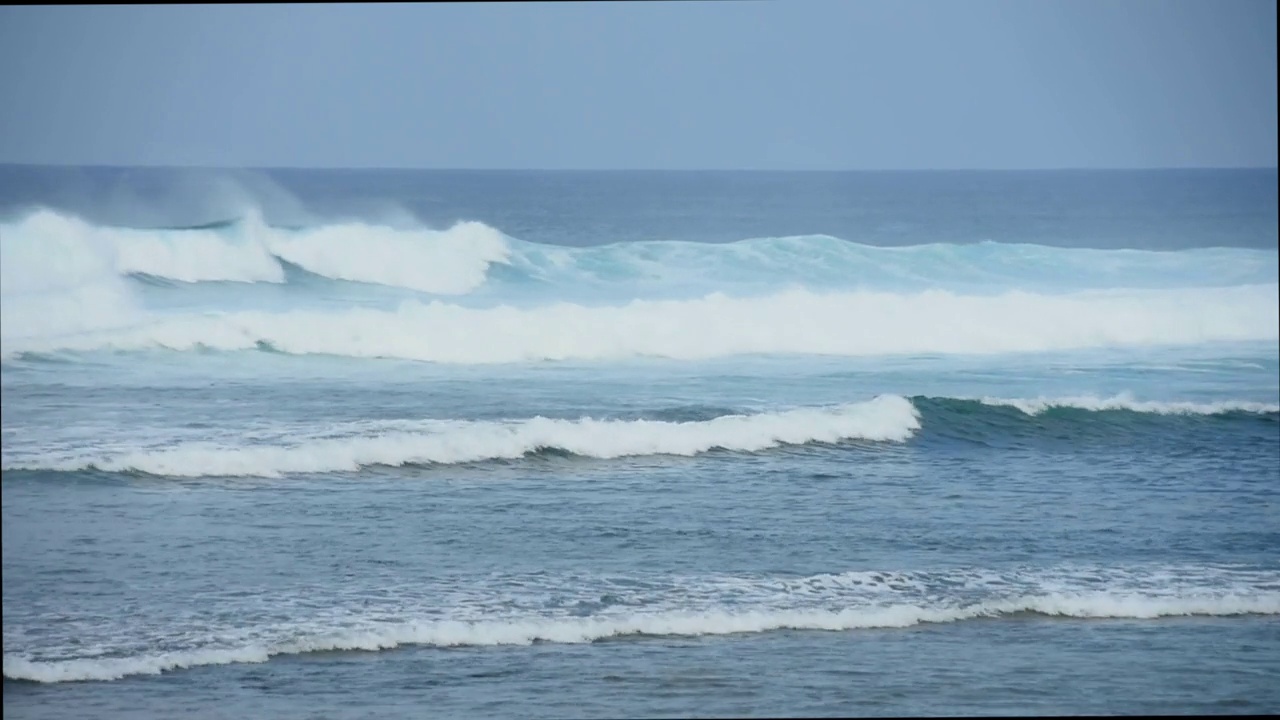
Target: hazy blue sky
(755, 84)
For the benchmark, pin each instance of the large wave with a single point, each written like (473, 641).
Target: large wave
(230, 251)
(457, 261)
(822, 261)
(57, 281)
(272, 452)
(793, 322)
(67, 284)
(887, 418)
(449, 262)
(444, 262)
(516, 611)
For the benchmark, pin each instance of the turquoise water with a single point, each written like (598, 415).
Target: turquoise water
(786, 444)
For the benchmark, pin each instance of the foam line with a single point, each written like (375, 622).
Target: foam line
(525, 631)
(886, 418)
(793, 322)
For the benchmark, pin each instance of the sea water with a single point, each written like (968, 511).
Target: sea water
(353, 444)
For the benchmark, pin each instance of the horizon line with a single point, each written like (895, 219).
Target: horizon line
(407, 168)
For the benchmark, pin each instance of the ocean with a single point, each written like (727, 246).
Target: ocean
(393, 443)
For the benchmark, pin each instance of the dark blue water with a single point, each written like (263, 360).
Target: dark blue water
(370, 444)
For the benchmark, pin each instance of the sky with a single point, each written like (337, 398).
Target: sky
(746, 84)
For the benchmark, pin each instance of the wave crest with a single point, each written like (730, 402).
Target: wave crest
(456, 261)
(443, 262)
(449, 262)
(276, 450)
(824, 261)
(67, 282)
(886, 418)
(656, 607)
(1126, 401)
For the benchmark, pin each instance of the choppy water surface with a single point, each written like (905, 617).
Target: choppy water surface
(607, 445)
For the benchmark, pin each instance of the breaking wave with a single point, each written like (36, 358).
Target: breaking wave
(457, 260)
(1126, 401)
(441, 262)
(822, 261)
(344, 448)
(653, 607)
(887, 418)
(71, 285)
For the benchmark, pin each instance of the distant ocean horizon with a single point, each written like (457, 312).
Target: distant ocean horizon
(495, 168)
(584, 443)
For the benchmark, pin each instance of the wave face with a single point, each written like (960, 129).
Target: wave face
(55, 279)
(348, 448)
(471, 294)
(578, 609)
(230, 252)
(457, 260)
(888, 418)
(447, 262)
(823, 261)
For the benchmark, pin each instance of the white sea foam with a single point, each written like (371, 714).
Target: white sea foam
(274, 448)
(50, 241)
(448, 262)
(793, 322)
(886, 418)
(456, 260)
(1126, 401)
(527, 630)
(196, 255)
(445, 262)
(64, 284)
